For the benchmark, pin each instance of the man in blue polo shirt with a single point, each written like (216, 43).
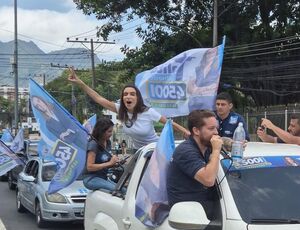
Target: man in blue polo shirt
(228, 120)
(195, 163)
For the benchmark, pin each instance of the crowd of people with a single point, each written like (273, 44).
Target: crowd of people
(193, 169)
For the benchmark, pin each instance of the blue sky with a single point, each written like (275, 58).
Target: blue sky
(55, 5)
(49, 22)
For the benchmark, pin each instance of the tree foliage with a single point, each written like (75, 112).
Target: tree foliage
(108, 84)
(173, 26)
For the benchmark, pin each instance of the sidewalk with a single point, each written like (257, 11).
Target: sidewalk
(2, 227)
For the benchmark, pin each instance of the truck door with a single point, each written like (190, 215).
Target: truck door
(129, 219)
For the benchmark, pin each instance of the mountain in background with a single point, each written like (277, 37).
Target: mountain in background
(34, 63)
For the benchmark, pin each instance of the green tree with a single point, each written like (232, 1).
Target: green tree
(243, 22)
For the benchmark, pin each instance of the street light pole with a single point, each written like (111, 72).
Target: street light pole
(215, 24)
(15, 67)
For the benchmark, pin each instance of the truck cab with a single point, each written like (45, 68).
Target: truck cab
(258, 194)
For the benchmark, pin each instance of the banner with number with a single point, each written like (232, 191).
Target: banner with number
(63, 137)
(262, 162)
(184, 83)
(8, 159)
(151, 206)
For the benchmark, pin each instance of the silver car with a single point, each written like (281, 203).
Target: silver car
(31, 194)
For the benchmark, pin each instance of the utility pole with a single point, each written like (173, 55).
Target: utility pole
(44, 80)
(215, 24)
(73, 98)
(15, 69)
(92, 54)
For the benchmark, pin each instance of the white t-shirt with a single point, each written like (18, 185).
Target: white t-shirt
(142, 131)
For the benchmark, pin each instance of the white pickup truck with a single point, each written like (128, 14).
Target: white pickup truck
(263, 194)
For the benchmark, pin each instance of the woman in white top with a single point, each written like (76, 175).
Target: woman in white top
(137, 119)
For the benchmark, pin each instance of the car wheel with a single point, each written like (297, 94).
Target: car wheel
(11, 185)
(20, 207)
(41, 223)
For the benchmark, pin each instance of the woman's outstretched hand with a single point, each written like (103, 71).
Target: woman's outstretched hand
(186, 134)
(73, 76)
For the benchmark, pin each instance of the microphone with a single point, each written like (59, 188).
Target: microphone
(225, 154)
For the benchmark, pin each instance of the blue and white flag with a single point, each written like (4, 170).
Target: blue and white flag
(6, 136)
(18, 143)
(151, 206)
(184, 83)
(90, 123)
(8, 159)
(63, 137)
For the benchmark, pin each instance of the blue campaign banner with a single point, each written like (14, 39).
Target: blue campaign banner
(90, 123)
(8, 159)
(184, 83)
(64, 139)
(262, 162)
(6, 136)
(151, 206)
(18, 143)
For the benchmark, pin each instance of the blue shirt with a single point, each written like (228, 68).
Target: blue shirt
(230, 123)
(181, 184)
(102, 156)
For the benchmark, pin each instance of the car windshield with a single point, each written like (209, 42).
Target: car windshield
(48, 172)
(266, 193)
(33, 148)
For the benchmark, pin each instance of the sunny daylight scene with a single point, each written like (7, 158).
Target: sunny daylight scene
(162, 114)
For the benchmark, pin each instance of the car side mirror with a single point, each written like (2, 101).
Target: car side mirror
(188, 215)
(26, 178)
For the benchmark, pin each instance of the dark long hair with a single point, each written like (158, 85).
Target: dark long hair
(101, 126)
(139, 107)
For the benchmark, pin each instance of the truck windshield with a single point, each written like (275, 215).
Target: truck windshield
(266, 193)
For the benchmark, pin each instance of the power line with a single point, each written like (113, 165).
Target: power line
(92, 53)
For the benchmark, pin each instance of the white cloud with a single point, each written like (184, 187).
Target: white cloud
(54, 27)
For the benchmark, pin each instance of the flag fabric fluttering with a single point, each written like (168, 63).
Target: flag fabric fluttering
(184, 83)
(6, 136)
(90, 123)
(151, 206)
(63, 137)
(18, 143)
(8, 159)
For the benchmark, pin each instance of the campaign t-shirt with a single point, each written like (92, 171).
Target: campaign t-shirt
(102, 156)
(230, 123)
(142, 131)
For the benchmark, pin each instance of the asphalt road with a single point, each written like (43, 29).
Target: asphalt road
(13, 220)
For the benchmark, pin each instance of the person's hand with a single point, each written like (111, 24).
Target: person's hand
(266, 123)
(73, 76)
(227, 143)
(261, 133)
(114, 160)
(186, 134)
(216, 143)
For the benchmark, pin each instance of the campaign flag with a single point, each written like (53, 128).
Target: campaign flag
(6, 136)
(63, 137)
(18, 142)
(184, 83)
(151, 206)
(8, 159)
(90, 123)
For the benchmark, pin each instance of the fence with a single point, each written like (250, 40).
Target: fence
(279, 115)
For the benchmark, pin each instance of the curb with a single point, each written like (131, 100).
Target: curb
(2, 227)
